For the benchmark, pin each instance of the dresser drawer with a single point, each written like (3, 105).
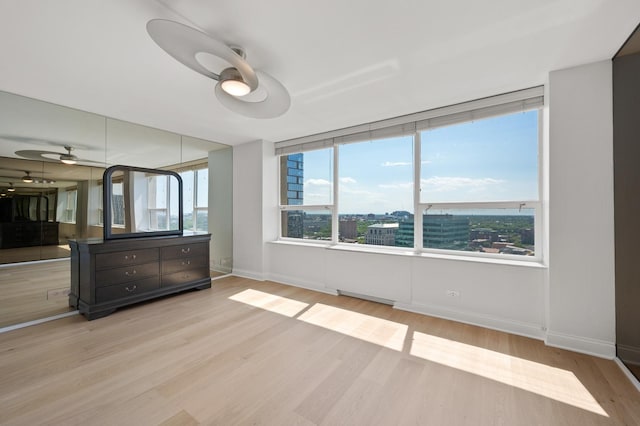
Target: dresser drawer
(120, 291)
(175, 265)
(184, 277)
(124, 258)
(186, 250)
(126, 274)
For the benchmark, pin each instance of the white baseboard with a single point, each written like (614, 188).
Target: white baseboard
(628, 373)
(522, 329)
(296, 282)
(585, 345)
(34, 262)
(248, 274)
(38, 321)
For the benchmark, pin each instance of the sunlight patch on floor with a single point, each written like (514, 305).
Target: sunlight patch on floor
(270, 302)
(364, 327)
(550, 382)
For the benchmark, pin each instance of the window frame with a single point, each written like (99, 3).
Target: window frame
(312, 207)
(335, 139)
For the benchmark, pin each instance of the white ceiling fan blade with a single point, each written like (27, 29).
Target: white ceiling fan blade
(183, 43)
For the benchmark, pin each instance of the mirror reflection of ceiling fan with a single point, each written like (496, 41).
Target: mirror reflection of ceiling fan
(27, 178)
(63, 157)
(51, 156)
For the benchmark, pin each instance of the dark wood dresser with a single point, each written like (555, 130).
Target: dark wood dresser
(106, 275)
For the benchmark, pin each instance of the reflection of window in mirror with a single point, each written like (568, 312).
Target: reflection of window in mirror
(51, 206)
(195, 185)
(33, 209)
(158, 202)
(100, 204)
(202, 200)
(67, 205)
(117, 205)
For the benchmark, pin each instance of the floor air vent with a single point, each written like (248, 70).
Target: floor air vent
(366, 297)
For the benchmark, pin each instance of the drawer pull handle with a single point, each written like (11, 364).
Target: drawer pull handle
(129, 274)
(133, 288)
(188, 262)
(186, 250)
(133, 256)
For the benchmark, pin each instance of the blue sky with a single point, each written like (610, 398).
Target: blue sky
(493, 159)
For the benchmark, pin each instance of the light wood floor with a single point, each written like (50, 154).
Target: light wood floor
(28, 254)
(247, 352)
(33, 291)
(36, 290)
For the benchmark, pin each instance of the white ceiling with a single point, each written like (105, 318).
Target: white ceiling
(344, 62)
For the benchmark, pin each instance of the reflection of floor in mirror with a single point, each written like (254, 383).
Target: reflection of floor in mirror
(217, 274)
(635, 369)
(33, 291)
(26, 254)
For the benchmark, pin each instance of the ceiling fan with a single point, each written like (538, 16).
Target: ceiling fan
(235, 82)
(68, 158)
(27, 178)
(65, 157)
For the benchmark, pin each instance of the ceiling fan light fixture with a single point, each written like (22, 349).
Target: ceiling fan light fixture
(11, 188)
(68, 158)
(231, 81)
(27, 178)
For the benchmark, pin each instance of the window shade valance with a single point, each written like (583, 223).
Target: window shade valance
(507, 103)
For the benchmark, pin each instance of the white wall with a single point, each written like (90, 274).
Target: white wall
(581, 246)
(254, 204)
(573, 298)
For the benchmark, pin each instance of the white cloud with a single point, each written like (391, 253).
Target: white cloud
(396, 163)
(453, 183)
(317, 182)
(347, 180)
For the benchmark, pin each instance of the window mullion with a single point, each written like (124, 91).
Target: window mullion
(335, 224)
(417, 212)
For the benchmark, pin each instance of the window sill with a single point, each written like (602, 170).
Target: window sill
(303, 243)
(398, 251)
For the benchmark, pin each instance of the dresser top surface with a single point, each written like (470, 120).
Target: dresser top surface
(142, 241)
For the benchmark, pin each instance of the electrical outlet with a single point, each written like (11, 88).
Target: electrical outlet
(453, 293)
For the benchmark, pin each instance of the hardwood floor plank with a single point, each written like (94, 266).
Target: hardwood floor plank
(24, 294)
(306, 358)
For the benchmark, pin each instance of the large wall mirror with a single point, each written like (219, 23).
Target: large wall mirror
(52, 161)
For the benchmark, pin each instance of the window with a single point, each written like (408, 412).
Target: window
(470, 170)
(375, 190)
(479, 185)
(306, 195)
